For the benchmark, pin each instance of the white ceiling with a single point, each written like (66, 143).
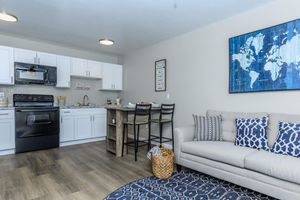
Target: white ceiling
(132, 24)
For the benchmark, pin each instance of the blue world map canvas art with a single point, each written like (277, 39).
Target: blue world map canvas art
(266, 60)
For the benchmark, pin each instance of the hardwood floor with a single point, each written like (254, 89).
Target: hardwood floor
(84, 172)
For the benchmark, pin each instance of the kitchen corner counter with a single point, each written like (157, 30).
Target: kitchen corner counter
(127, 109)
(7, 108)
(116, 115)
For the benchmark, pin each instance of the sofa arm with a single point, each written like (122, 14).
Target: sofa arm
(182, 134)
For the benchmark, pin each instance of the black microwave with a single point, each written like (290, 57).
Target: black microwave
(35, 74)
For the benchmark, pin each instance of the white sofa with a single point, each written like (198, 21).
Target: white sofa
(268, 173)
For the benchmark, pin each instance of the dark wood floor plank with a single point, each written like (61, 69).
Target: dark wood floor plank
(76, 172)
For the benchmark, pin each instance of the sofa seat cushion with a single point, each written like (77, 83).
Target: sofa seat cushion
(225, 152)
(279, 166)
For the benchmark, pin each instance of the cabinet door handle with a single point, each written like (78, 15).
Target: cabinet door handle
(2, 114)
(90, 118)
(61, 120)
(34, 60)
(67, 111)
(12, 79)
(39, 60)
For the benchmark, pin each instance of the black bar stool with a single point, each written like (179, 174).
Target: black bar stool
(142, 116)
(166, 116)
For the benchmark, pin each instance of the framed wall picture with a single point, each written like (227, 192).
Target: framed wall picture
(266, 60)
(161, 75)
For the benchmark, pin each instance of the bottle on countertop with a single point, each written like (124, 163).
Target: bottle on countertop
(3, 100)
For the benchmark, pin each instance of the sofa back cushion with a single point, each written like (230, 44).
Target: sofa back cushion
(273, 128)
(208, 128)
(228, 121)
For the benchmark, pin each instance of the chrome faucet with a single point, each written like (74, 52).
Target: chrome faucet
(86, 100)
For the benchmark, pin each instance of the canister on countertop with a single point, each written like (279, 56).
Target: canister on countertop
(61, 101)
(3, 102)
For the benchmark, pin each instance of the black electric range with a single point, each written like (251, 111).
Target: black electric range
(37, 122)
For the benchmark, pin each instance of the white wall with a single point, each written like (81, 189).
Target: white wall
(198, 67)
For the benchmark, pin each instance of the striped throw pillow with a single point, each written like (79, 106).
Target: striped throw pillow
(208, 128)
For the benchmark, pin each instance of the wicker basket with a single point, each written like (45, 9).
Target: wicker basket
(163, 166)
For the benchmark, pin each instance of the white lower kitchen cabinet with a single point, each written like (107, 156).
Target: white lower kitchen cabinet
(67, 128)
(7, 127)
(99, 125)
(82, 125)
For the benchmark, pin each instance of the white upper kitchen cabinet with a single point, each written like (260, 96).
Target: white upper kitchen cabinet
(117, 77)
(79, 67)
(46, 59)
(63, 72)
(33, 57)
(107, 77)
(7, 127)
(94, 69)
(25, 56)
(112, 77)
(6, 65)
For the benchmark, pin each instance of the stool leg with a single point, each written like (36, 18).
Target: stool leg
(135, 145)
(123, 143)
(172, 135)
(138, 140)
(160, 133)
(127, 139)
(149, 136)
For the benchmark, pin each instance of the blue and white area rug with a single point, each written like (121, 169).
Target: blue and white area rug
(181, 186)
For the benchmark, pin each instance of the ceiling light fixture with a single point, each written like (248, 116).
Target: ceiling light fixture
(106, 42)
(8, 17)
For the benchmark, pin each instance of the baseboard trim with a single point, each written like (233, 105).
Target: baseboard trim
(69, 143)
(7, 152)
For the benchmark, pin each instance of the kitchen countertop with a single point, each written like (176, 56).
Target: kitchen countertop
(124, 108)
(81, 107)
(7, 108)
(62, 107)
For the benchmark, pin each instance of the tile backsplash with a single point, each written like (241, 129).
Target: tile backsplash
(74, 94)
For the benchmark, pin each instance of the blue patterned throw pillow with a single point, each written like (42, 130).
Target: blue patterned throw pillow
(252, 133)
(288, 141)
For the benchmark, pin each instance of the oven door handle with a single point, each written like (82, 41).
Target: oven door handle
(40, 123)
(35, 110)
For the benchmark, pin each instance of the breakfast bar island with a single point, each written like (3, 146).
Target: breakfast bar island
(116, 116)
